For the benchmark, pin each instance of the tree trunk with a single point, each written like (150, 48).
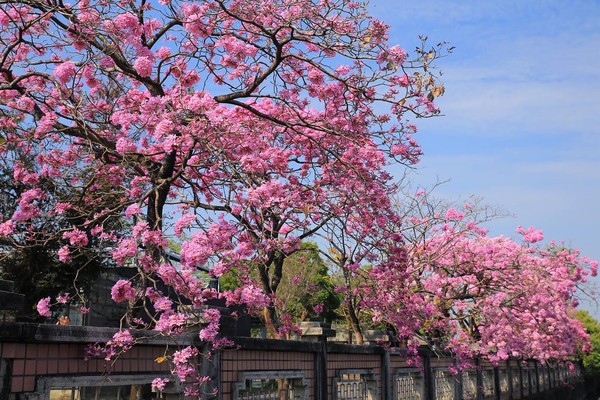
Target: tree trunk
(354, 323)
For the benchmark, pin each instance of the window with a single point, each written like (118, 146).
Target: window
(271, 385)
(487, 381)
(123, 392)
(118, 387)
(355, 384)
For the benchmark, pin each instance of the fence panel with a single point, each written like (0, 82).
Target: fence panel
(409, 384)
(355, 385)
(271, 385)
(443, 383)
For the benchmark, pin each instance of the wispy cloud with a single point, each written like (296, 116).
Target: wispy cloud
(519, 67)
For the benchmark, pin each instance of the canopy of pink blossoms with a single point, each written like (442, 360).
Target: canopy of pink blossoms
(239, 128)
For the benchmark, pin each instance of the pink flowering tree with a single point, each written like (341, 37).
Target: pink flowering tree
(400, 220)
(462, 291)
(353, 247)
(239, 128)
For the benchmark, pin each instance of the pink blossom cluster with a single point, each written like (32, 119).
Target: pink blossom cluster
(171, 323)
(184, 362)
(159, 384)
(211, 317)
(250, 295)
(122, 290)
(76, 237)
(121, 342)
(65, 71)
(531, 235)
(43, 307)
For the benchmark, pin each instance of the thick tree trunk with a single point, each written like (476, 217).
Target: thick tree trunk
(354, 323)
(270, 283)
(162, 184)
(269, 317)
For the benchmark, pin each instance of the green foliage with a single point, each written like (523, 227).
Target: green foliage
(230, 280)
(305, 287)
(591, 360)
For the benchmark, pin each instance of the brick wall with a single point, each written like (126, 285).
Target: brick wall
(33, 357)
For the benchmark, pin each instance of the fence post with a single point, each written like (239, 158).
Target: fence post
(458, 382)
(315, 331)
(386, 377)
(209, 366)
(428, 376)
(479, 379)
(497, 388)
(509, 374)
(537, 376)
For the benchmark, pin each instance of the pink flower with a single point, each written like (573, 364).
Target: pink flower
(7, 228)
(159, 384)
(133, 209)
(285, 229)
(122, 291)
(64, 254)
(122, 339)
(163, 52)
(403, 80)
(342, 70)
(594, 268)
(125, 145)
(184, 222)
(163, 304)
(25, 212)
(209, 333)
(127, 248)
(452, 214)
(31, 195)
(62, 207)
(126, 21)
(77, 238)
(211, 315)
(182, 360)
(531, 235)
(143, 65)
(64, 72)
(63, 298)
(43, 307)
(171, 323)
(92, 351)
(120, 342)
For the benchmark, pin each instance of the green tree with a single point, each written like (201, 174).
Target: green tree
(306, 291)
(591, 360)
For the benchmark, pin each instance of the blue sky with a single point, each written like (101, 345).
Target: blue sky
(521, 124)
